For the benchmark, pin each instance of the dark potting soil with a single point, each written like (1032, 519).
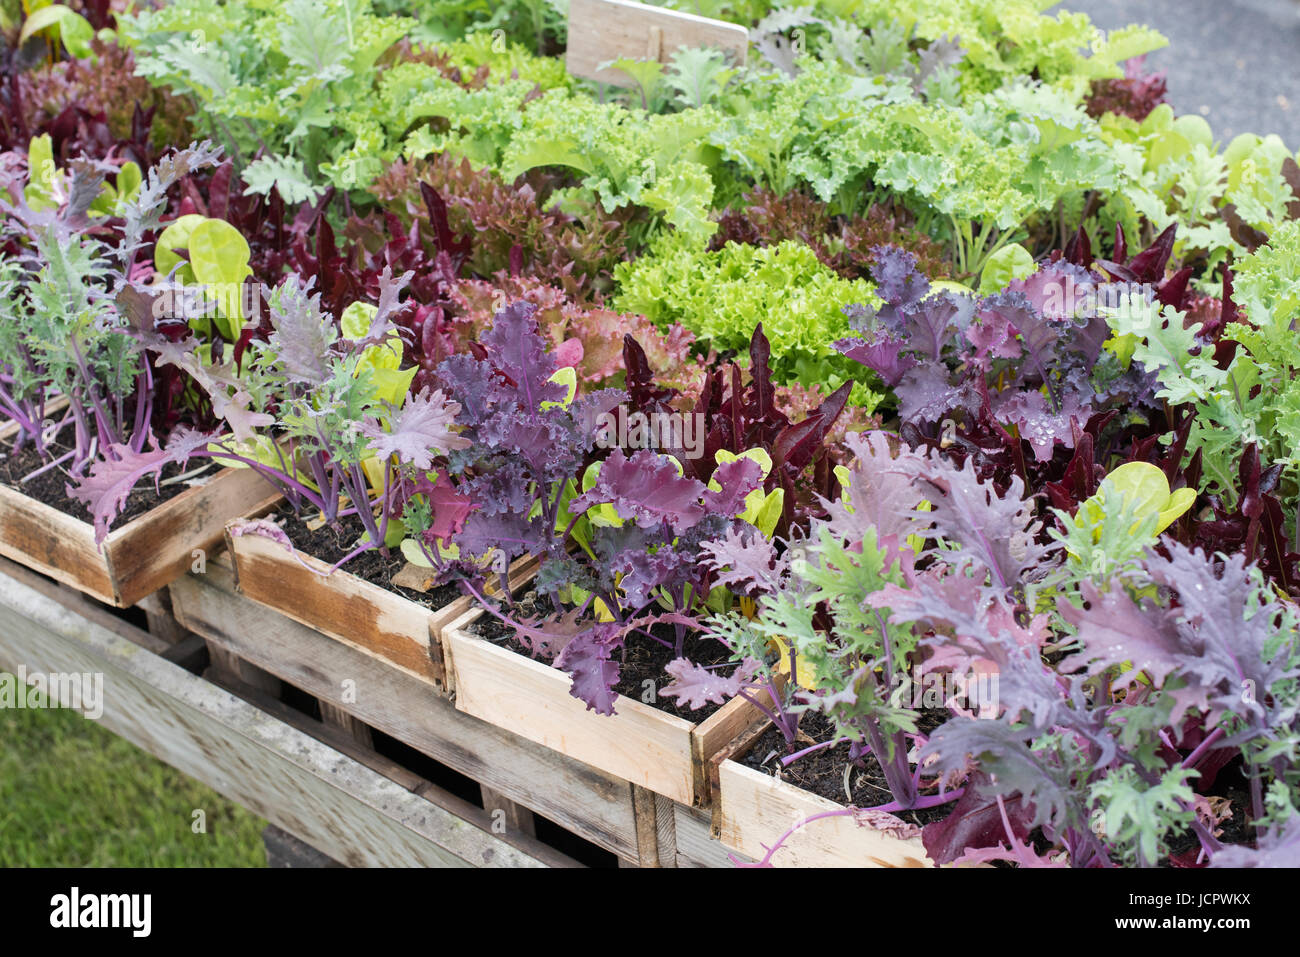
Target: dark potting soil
(1231, 784)
(50, 487)
(822, 772)
(329, 544)
(643, 660)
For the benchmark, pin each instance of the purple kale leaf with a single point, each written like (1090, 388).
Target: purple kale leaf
(304, 336)
(695, 686)
(1113, 629)
(641, 569)
(382, 325)
(1279, 847)
(882, 492)
(647, 489)
(1228, 636)
(421, 431)
(976, 821)
(512, 532)
(1012, 767)
(105, 488)
(518, 353)
(744, 560)
(926, 393)
(736, 479)
(937, 322)
(898, 282)
(588, 659)
(881, 353)
(1038, 424)
(998, 531)
(1038, 334)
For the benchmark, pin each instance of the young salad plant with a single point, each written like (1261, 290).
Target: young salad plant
(60, 326)
(320, 408)
(618, 535)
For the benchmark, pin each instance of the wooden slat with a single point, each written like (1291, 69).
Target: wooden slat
(341, 740)
(41, 537)
(647, 831)
(592, 804)
(332, 802)
(640, 744)
(516, 818)
(604, 30)
(149, 552)
(225, 666)
(157, 610)
(696, 846)
(717, 732)
(372, 619)
(142, 555)
(351, 726)
(756, 809)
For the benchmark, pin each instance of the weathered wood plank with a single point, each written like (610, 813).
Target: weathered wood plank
(516, 818)
(39, 536)
(142, 555)
(162, 624)
(696, 846)
(640, 744)
(755, 809)
(349, 724)
(715, 733)
(595, 805)
(337, 805)
(341, 740)
(604, 30)
(343, 606)
(149, 552)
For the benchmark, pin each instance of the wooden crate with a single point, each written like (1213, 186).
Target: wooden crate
(592, 804)
(604, 30)
(380, 622)
(752, 809)
(141, 556)
(352, 806)
(650, 748)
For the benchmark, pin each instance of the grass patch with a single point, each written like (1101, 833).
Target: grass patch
(73, 794)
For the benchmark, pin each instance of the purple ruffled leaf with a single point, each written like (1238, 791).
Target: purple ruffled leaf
(1279, 847)
(647, 489)
(881, 353)
(1038, 425)
(736, 479)
(421, 431)
(695, 686)
(743, 560)
(104, 490)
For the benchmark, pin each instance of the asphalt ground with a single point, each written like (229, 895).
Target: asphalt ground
(1235, 62)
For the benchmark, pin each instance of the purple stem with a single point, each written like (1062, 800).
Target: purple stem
(792, 758)
(49, 465)
(932, 800)
(1200, 750)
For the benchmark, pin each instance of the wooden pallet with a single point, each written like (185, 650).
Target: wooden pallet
(658, 751)
(517, 778)
(752, 810)
(140, 556)
(302, 775)
(378, 621)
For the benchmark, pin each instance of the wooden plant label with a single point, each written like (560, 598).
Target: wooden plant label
(604, 30)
